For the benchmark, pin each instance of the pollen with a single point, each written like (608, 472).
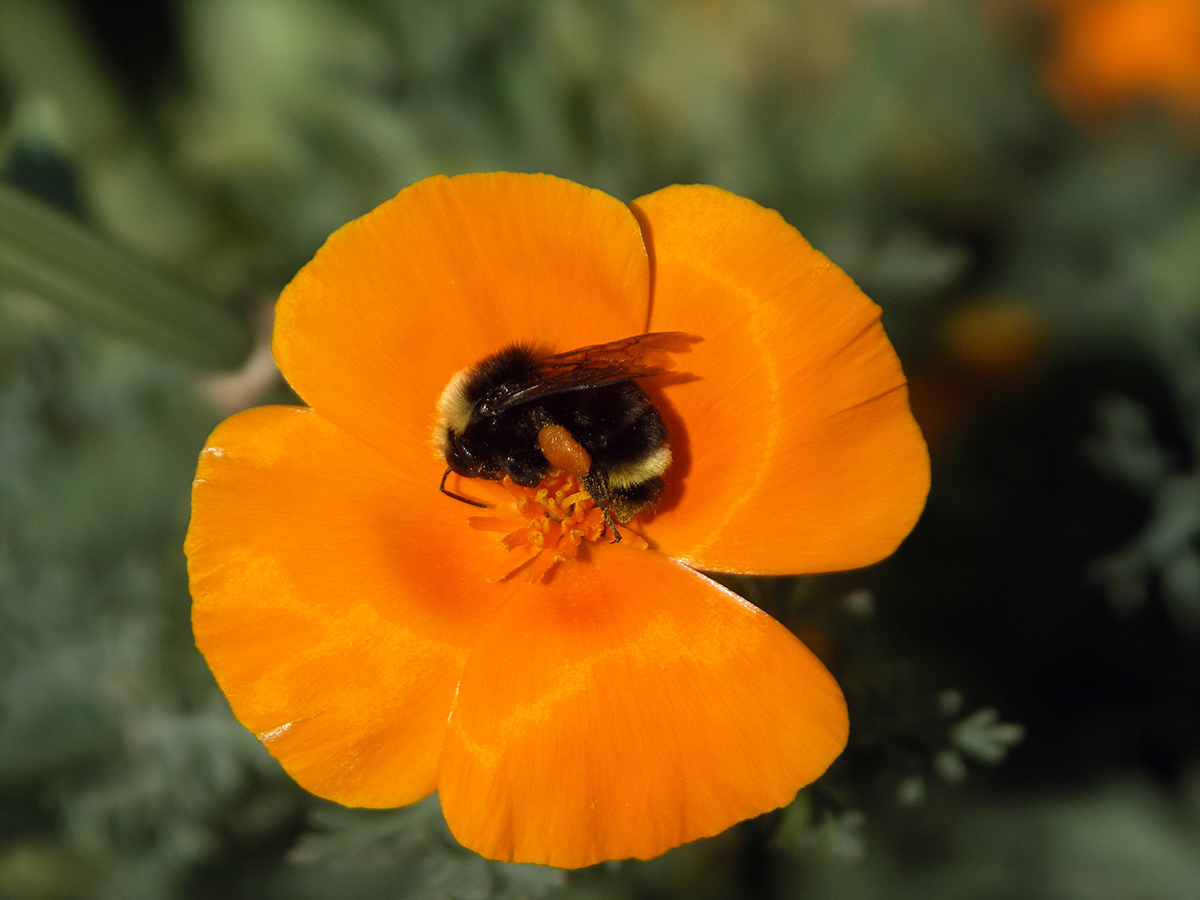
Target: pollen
(546, 525)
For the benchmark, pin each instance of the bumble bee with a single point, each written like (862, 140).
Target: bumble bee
(521, 413)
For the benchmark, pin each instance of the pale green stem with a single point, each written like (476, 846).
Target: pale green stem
(56, 257)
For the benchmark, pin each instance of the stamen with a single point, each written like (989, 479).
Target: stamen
(551, 523)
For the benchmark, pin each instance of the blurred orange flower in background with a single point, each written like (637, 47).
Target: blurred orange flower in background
(624, 703)
(1107, 54)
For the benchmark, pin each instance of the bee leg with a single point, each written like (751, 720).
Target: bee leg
(468, 500)
(599, 492)
(608, 519)
(566, 454)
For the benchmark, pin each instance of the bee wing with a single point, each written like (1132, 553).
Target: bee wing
(642, 350)
(639, 356)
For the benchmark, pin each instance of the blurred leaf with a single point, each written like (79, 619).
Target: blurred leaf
(415, 846)
(45, 251)
(983, 737)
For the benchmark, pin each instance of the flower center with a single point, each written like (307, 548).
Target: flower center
(547, 524)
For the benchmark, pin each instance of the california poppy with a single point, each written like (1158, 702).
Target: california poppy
(368, 628)
(1110, 53)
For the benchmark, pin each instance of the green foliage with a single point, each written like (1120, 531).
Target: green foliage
(412, 851)
(1056, 575)
(45, 252)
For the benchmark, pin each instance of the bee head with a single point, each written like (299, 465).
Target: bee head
(459, 457)
(462, 417)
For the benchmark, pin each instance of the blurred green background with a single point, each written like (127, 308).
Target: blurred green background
(1017, 183)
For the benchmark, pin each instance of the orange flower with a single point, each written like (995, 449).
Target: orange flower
(360, 621)
(1109, 53)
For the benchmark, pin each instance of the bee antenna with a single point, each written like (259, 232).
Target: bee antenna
(467, 500)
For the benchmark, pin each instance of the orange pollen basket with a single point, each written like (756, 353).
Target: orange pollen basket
(548, 525)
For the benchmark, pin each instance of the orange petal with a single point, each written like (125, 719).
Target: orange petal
(444, 274)
(1114, 52)
(334, 599)
(628, 706)
(795, 448)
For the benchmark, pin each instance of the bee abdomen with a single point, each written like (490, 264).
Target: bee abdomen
(652, 465)
(627, 502)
